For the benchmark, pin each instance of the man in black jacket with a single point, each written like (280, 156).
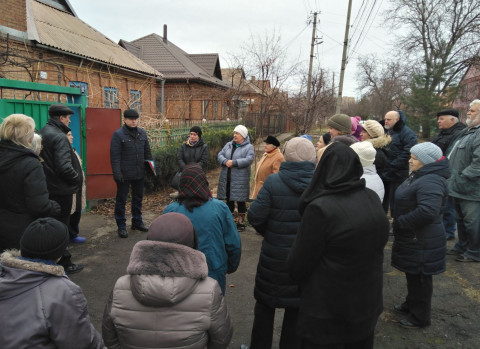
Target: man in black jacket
(129, 149)
(450, 128)
(62, 178)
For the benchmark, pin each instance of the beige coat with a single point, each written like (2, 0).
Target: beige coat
(268, 164)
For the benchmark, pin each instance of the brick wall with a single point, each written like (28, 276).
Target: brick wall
(13, 14)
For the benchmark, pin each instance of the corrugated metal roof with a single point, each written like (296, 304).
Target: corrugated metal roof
(60, 30)
(207, 61)
(170, 60)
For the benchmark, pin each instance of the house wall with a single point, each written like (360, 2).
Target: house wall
(13, 14)
(49, 67)
(469, 90)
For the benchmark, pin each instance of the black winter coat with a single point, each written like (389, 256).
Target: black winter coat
(58, 157)
(338, 252)
(403, 138)
(23, 193)
(419, 245)
(445, 137)
(129, 149)
(274, 214)
(197, 153)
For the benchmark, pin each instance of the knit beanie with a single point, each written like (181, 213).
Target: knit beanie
(307, 137)
(299, 149)
(175, 228)
(426, 152)
(242, 130)
(44, 238)
(197, 130)
(340, 122)
(365, 151)
(373, 128)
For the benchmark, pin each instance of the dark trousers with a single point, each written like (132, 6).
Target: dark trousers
(121, 200)
(389, 198)
(366, 343)
(241, 205)
(73, 226)
(419, 299)
(262, 331)
(65, 202)
(450, 217)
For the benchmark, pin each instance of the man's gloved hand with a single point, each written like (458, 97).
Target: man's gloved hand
(118, 179)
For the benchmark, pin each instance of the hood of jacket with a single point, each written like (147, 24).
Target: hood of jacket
(439, 167)
(19, 275)
(245, 142)
(400, 123)
(380, 142)
(297, 175)
(58, 124)
(338, 171)
(163, 273)
(10, 153)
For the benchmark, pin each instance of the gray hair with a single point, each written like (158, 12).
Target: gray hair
(475, 101)
(37, 143)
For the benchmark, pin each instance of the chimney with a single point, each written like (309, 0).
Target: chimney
(165, 34)
(253, 78)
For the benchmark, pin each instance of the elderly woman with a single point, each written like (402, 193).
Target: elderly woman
(236, 158)
(268, 164)
(419, 245)
(23, 188)
(374, 133)
(218, 237)
(337, 256)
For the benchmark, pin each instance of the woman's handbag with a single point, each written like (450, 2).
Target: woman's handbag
(175, 183)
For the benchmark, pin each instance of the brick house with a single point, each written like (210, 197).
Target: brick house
(469, 89)
(194, 89)
(44, 41)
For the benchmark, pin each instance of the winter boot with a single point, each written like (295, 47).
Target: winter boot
(241, 221)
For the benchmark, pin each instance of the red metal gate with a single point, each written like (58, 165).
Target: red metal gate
(100, 124)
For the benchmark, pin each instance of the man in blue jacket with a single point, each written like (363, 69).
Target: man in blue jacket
(129, 149)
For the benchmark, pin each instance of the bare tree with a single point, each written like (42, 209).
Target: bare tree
(437, 38)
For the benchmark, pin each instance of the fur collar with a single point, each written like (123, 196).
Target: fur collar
(380, 142)
(167, 259)
(10, 258)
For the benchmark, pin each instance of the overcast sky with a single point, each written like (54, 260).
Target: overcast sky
(222, 26)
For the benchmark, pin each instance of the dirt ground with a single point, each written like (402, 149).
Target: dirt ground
(456, 298)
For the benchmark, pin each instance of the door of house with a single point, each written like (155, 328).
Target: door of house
(100, 125)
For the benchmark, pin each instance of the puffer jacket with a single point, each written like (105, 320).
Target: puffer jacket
(129, 148)
(373, 181)
(197, 153)
(23, 193)
(58, 156)
(381, 145)
(464, 158)
(268, 164)
(240, 172)
(403, 138)
(419, 244)
(166, 301)
(275, 215)
(41, 308)
(444, 138)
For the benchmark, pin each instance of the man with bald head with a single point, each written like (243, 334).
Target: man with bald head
(449, 128)
(464, 187)
(396, 169)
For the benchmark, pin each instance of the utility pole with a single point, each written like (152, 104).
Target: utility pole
(312, 46)
(344, 59)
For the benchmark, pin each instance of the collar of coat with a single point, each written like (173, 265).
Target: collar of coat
(167, 260)
(380, 142)
(10, 258)
(57, 123)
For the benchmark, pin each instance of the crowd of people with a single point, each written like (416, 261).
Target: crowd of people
(323, 214)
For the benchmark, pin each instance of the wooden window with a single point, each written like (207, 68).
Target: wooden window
(111, 97)
(136, 100)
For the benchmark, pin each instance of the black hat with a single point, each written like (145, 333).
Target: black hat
(59, 110)
(452, 112)
(131, 114)
(44, 238)
(326, 138)
(197, 130)
(272, 140)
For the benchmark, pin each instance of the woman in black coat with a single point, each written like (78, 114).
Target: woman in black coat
(419, 246)
(337, 256)
(23, 189)
(274, 214)
(193, 150)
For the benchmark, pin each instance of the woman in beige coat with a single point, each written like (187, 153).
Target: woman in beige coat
(268, 164)
(167, 299)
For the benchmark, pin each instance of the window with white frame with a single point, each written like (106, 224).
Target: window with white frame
(110, 97)
(136, 100)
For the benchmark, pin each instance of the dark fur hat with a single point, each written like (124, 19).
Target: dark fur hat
(272, 140)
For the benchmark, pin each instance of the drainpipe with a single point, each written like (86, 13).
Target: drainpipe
(162, 100)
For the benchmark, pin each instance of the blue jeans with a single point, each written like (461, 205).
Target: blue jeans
(121, 200)
(468, 228)
(450, 218)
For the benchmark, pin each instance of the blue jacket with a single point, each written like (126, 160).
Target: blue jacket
(403, 138)
(128, 152)
(240, 172)
(275, 215)
(419, 244)
(218, 236)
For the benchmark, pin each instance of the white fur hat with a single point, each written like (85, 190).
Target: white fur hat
(242, 130)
